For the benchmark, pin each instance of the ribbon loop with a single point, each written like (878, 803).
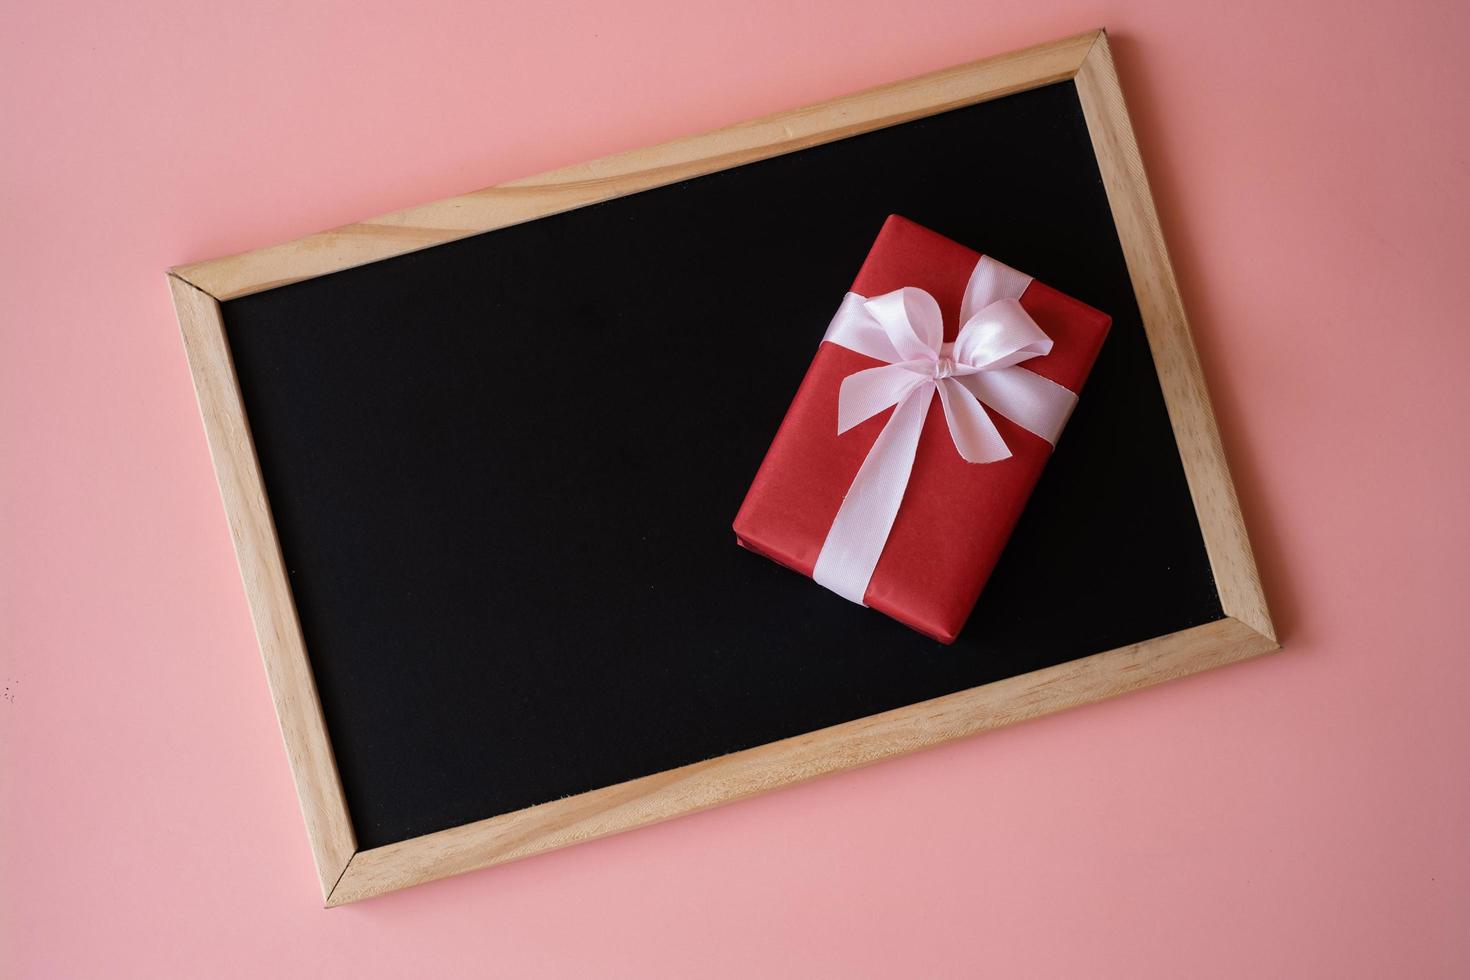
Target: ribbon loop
(905, 329)
(912, 320)
(1000, 335)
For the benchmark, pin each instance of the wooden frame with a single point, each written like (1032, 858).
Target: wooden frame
(348, 874)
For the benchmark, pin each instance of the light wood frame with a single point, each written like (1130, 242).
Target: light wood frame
(348, 874)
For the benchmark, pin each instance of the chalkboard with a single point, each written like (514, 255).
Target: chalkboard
(502, 472)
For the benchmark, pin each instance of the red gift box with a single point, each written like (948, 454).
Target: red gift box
(955, 516)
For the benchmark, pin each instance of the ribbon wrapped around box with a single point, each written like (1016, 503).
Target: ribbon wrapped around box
(882, 495)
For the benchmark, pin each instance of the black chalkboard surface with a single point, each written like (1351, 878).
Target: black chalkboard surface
(503, 471)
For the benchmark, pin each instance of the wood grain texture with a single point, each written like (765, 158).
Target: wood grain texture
(318, 786)
(1169, 338)
(636, 170)
(722, 780)
(348, 875)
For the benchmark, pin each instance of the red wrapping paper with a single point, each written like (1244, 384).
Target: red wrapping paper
(956, 516)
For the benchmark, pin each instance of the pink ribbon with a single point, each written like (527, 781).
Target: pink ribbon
(905, 329)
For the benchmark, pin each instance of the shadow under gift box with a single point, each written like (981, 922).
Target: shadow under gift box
(956, 516)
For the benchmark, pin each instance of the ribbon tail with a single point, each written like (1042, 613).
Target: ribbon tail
(974, 435)
(863, 522)
(875, 390)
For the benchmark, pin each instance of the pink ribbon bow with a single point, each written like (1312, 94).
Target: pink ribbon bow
(906, 329)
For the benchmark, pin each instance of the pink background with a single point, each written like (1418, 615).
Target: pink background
(1303, 815)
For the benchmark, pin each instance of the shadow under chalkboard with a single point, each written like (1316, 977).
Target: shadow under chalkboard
(503, 472)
